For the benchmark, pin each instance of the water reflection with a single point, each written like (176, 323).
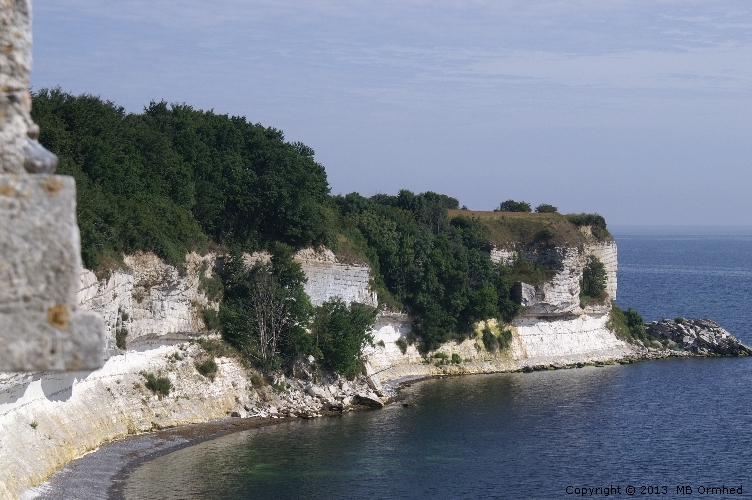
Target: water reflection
(497, 436)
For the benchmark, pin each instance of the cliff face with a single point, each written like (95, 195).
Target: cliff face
(151, 299)
(553, 329)
(561, 295)
(51, 418)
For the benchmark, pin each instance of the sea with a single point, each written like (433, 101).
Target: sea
(670, 428)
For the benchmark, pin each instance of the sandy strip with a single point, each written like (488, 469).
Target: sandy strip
(102, 474)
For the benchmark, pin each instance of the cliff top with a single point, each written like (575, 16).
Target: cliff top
(510, 229)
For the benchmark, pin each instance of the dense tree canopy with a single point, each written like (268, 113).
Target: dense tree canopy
(172, 179)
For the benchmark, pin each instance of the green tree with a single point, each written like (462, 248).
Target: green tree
(265, 310)
(545, 208)
(341, 332)
(593, 282)
(514, 206)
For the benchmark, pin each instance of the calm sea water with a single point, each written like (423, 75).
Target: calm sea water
(664, 424)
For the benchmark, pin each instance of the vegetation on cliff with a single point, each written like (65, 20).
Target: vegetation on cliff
(174, 179)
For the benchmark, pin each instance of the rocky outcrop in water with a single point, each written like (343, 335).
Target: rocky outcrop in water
(698, 336)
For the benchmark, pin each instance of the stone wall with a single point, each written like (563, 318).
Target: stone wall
(40, 256)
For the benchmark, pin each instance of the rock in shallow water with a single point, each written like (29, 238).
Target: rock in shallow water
(699, 336)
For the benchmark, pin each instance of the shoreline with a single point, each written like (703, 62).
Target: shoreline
(101, 473)
(104, 472)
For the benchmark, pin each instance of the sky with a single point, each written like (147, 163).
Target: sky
(640, 111)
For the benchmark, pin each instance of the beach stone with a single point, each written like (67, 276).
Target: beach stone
(318, 392)
(370, 399)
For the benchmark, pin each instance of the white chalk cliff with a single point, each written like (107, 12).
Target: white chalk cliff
(50, 419)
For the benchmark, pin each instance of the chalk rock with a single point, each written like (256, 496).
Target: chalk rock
(700, 336)
(561, 295)
(369, 399)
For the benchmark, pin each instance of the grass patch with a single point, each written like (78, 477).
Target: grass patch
(511, 229)
(175, 357)
(349, 253)
(629, 326)
(532, 273)
(211, 318)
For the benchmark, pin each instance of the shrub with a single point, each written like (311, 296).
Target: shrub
(120, 336)
(211, 286)
(596, 222)
(514, 206)
(402, 344)
(208, 368)
(504, 339)
(157, 385)
(489, 340)
(456, 359)
(441, 355)
(211, 318)
(627, 325)
(593, 282)
(593, 220)
(496, 342)
(545, 234)
(545, 208)
(257, 380)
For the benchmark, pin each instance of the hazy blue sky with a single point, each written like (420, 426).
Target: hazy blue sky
(641, 111)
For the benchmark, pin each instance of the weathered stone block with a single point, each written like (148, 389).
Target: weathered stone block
(60, 340)
(40, 263)
(40, 259)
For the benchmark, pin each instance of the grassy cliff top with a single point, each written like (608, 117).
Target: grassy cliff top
(511, 229)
